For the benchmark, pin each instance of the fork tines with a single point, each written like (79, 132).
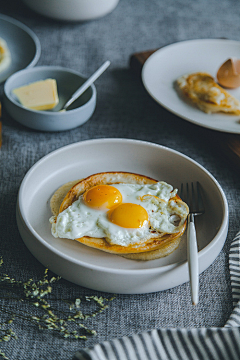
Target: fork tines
(191, 194)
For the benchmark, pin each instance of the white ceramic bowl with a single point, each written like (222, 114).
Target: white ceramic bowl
(96, 269)
(72, 10)
(68, 81)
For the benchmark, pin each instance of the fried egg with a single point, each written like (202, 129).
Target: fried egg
(123, 214)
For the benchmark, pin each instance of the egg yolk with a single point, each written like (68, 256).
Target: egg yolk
(128, 215)
(102, 197)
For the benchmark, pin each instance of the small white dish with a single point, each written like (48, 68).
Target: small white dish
(72, 10)
(162, 69)
(23, 44)
(68, 81)
(93, 268)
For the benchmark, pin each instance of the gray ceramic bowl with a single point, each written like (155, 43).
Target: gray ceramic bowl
(18, 37)
(68, 81)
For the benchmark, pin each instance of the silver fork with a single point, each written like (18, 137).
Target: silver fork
(191, 194)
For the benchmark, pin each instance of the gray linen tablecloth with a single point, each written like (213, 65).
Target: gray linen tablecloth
(180, 343)
(124, 110)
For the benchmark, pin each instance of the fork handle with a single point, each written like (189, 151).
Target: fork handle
(192, 256)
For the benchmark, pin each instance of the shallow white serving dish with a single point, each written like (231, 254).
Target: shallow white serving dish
(23, 44)
(68, 81)
(102, 271)
(72, 10)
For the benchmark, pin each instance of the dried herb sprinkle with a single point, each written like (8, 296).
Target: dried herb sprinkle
(67, 322)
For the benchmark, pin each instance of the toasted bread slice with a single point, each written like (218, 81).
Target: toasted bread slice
(158, 246)
(203, 91)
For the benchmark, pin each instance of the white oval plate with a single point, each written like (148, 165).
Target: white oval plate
(162, 69)
(23, 44)
(99, 270)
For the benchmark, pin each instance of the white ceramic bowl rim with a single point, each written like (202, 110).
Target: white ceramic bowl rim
(30, 33)
(102, 268)
(72, 10)
(35, 69)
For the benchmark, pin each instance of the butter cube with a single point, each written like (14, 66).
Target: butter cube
(40, 95)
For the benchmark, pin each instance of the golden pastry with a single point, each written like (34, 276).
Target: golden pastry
(202, 90)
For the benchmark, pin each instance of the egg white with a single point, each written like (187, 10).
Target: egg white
(165, 216)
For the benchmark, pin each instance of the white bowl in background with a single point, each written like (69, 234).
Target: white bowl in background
(99, 270)
(68, 81)
(72, 10)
